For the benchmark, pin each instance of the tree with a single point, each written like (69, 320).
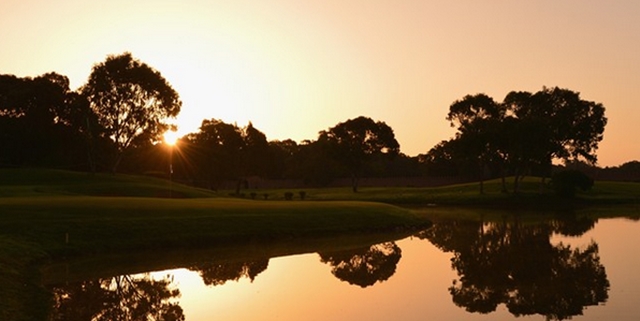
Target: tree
(281, 161)
(356, 141)
(132, 101)
(464, 113)
(215, 150)
(477, 118)
(43, 122)
(256, 153)
(560, 125)
(442, 160)
(526, 132)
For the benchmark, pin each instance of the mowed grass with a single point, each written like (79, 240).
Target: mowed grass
(75, 225)
(68, 214)
(532, 194)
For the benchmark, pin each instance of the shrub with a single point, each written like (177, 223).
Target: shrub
(288, 196)
(303, 194)
(565, 183)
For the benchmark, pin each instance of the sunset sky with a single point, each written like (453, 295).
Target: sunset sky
(294, 68)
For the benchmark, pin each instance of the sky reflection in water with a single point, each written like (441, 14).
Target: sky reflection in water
(412, 279)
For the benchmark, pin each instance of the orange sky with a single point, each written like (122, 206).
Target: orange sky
(294, 68)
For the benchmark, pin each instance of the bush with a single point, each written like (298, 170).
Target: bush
(303, 194)
(565, 183)
(288, 196)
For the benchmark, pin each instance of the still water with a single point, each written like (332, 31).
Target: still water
(571, 268)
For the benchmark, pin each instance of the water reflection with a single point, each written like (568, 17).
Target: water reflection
(364, 266)
(219, 272)
(125, 297)
(511, 263)
(515, 264)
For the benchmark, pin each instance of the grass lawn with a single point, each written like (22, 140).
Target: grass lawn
(532, 195)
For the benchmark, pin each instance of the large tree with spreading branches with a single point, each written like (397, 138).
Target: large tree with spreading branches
(132, 101)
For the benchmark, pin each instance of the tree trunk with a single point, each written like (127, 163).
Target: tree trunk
(542, 183)
(504, 183)
(516, 181)
(117, 161)
(354, 183)
(481, 178)
(91, 148)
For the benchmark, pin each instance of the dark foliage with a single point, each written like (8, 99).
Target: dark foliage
(565, 183)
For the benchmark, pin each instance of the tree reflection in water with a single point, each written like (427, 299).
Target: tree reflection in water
(118, 298)
(218, 273)
(516, 264)
(364, 266)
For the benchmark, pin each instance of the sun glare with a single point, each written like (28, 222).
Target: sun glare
(170, 137)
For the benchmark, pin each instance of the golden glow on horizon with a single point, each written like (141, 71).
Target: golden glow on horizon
(295, 68)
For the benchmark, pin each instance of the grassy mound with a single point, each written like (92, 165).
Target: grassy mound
(70, 212)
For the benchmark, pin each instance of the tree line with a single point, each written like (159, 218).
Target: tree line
(115, 122)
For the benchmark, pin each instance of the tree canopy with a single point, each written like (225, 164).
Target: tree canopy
(42, 122)
(132, 101)
(526, 131)
(356, 141)
(115, 122)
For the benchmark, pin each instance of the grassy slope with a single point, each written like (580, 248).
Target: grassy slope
(48, 214)
(107, 212)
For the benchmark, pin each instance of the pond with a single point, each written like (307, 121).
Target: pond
(559, 269)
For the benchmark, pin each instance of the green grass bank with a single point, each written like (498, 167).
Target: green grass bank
(51, 215)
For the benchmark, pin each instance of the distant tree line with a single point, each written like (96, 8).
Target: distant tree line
(115, 122)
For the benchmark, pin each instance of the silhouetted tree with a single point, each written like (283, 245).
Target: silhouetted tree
(216, 151)
(281, 161)
(43, 122)
(132, 101)
(477, 118)
(354, 142)
(526, 132)
(554, 123)
(314, 165)
(256, 155)
(442, 159)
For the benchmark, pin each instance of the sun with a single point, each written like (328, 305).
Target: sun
(170, 137)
